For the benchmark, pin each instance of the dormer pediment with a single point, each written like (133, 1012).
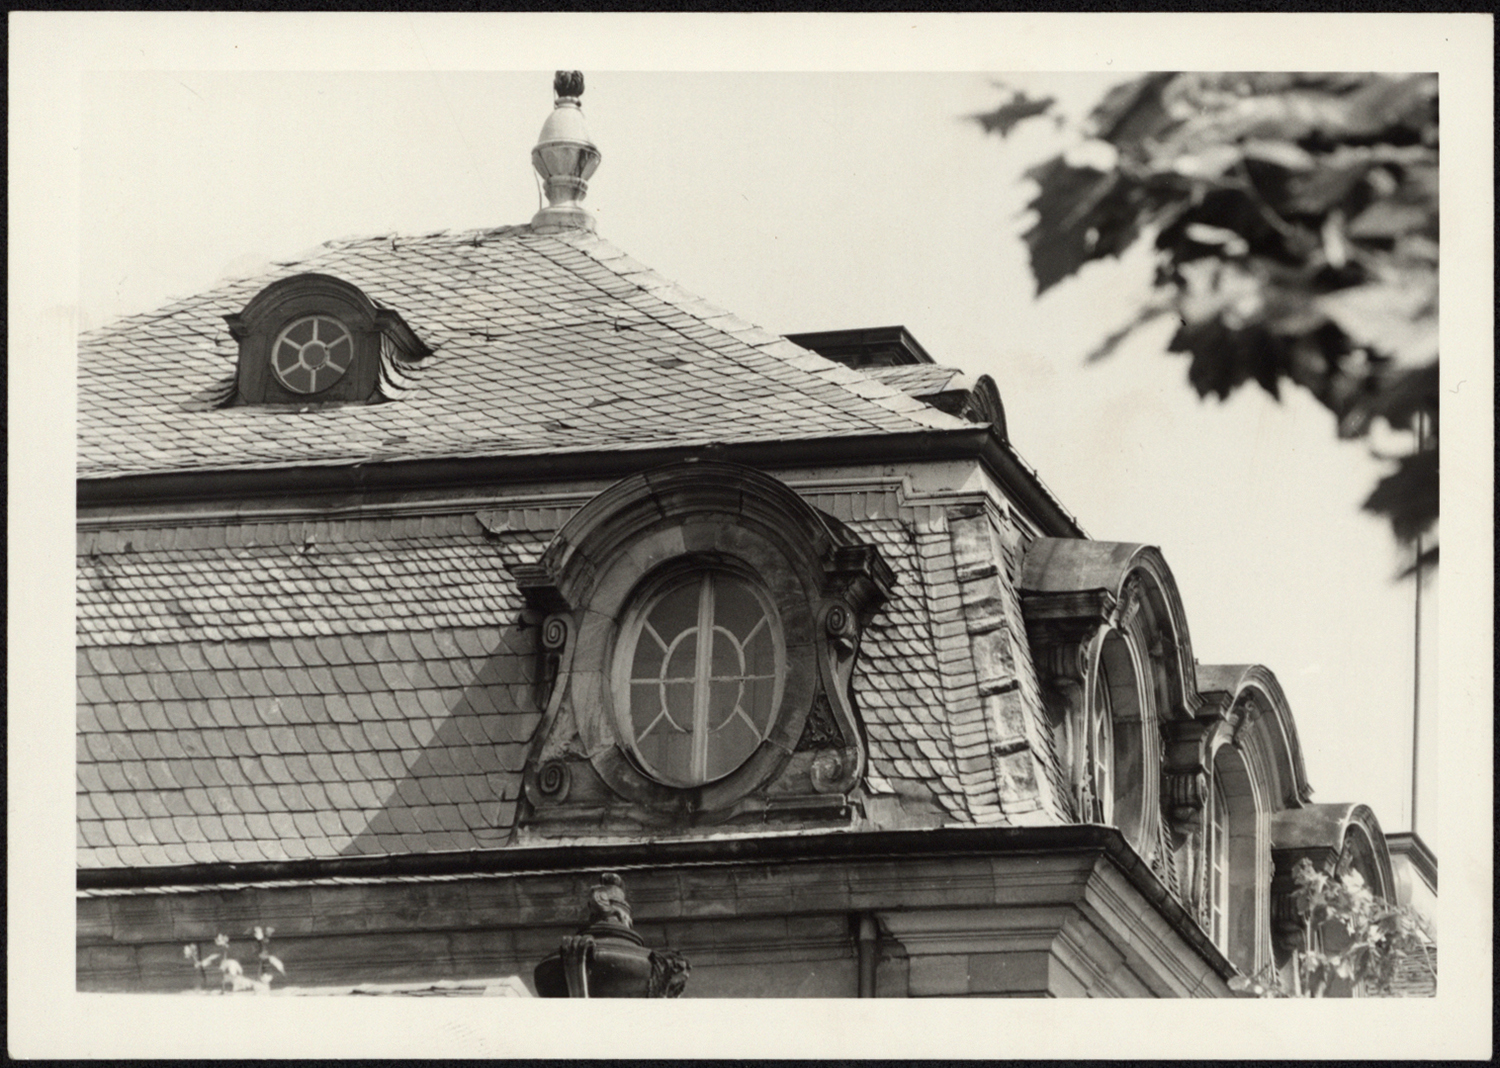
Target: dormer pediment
(315, 339)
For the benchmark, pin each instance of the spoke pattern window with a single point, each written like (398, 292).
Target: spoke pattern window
(312, 354)
(704, 662)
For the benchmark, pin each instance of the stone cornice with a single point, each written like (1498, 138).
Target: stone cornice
(1410, 845)
(1039, 849)
(982, 444)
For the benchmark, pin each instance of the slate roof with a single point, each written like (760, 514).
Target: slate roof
(249, 693)
(898, 682)
(921, 379)
(542, 344)
(264, 691)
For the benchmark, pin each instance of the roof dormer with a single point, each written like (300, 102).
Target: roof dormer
(316, 339)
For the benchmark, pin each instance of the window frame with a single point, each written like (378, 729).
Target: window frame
(825, 583)
(1218, 859)
(1093, 745)
(1109, 735)
(316, 318)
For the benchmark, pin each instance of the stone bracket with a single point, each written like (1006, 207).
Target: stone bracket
(1185, 773)
(837, 770)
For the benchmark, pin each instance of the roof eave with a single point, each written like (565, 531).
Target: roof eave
(977, 443)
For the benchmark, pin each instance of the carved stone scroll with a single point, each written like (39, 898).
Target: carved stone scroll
(669, 974)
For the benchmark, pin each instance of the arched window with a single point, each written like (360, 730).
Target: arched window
(1235, 856)
(698, 674)
(1218, 865)
(1106, 747)
(1094, 774)
(699, 625)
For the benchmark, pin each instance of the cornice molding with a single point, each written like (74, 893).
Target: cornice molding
(981, 444)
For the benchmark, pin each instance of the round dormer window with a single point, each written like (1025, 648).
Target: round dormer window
(312, 354)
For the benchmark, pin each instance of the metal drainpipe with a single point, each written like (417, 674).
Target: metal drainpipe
(867, 944)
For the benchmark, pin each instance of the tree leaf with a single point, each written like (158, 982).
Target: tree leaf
(1134, 110)
(1409, 495)
(1396, 316)
(1018, 109)
(1387, 102)
(1082, 215)
(1295, 215)
(1387, 219)
(1283, 154)
(1209, 162)
(1232, 243)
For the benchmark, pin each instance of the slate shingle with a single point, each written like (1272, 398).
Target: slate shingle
(268, 682)
(536, 312)
(182, 767)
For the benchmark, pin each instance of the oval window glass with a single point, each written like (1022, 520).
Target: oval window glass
(699, 675)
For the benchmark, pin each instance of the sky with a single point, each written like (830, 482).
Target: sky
(172, 151)
(810, 202)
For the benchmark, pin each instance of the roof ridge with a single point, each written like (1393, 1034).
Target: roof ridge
(756, 337)
(274, 268)
(395, 238)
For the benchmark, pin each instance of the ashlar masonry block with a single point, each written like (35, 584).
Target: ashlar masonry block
(993, 663)
(984, 599)
(1007, 716)
(1019, 974)
(1018, 781)
(938, 975)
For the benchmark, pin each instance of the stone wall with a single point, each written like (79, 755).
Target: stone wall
(1068, 923)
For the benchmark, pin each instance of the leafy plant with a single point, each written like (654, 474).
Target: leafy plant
(200, 964)
(1295, 222)
(1348, 934)
(262, 937)
(1380, 934)
(232, 977)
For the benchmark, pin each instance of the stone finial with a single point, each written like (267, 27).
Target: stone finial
(607, 902)
(607, 958)
(565, 157)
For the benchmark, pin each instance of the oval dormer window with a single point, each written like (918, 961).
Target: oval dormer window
(699, 676)
(312, 354)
